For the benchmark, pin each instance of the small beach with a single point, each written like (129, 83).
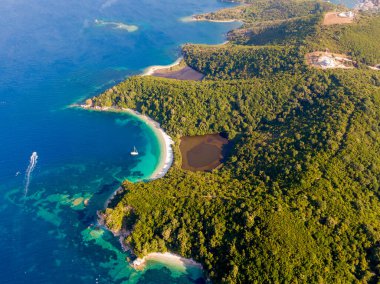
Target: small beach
(167, 258)
(176, 264)
(150, 70)
(184, 73)
(177, 70)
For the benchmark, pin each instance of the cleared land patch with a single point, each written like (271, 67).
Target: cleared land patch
(327, 60)
(338, 18)
(184, 73)
(202, 153)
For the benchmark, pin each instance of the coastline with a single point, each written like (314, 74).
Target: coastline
(167, 258)
(217, 21)
(166, 152)
(165, 141)
(151, 69)
(193, 18)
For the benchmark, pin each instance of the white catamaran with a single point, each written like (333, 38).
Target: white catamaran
(134, 152)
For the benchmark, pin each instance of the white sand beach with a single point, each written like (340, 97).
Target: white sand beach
(150, 70)
(167, 258)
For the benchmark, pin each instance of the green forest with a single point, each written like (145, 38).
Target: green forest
(268, 10)
(297, 199)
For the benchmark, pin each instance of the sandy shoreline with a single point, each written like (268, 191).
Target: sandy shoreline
(150, 70)
(166, 151)
(167, 258)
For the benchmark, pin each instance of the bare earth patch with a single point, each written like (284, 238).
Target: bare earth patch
(327, 60)
(333, 18)
(377, 67)
(202, 153)
(184, 73)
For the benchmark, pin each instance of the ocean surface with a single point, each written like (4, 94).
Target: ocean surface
(54, 54)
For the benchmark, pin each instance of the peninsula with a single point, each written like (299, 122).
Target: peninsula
(297, 196)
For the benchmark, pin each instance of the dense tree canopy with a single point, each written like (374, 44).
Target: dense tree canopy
(269, 10)
(297, 196)
(242, 62)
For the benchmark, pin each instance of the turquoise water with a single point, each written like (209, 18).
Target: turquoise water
(53, 54)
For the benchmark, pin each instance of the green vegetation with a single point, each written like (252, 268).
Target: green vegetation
(281, 48)
(262, 49)
(361, 40)
(298, 195)
(268, 10)
(214, 106)
(242, 62)
(287, 32)
(298, 198)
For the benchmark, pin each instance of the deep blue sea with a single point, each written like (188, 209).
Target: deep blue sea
(54, 54)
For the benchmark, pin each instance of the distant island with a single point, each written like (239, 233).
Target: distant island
(296, 95)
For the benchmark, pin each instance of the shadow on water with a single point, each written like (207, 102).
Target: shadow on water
(89, 216)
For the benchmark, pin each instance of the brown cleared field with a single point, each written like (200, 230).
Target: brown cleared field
(185, 73)
(332, 18)
(202, 153)
(317, 59)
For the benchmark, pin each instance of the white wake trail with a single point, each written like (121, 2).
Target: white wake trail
(29, 170)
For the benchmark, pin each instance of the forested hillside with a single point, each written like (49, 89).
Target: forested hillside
(361, 40)
(297, 200)
(268, 10)
(298, 195)
(196, 108)
(242, 62)
(268, 48)
(286, 32)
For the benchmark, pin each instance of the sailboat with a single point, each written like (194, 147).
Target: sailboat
(134, 152)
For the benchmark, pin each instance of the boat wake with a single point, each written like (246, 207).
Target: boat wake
(29, 170)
